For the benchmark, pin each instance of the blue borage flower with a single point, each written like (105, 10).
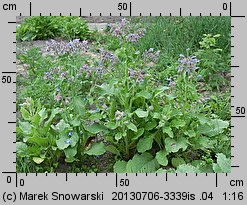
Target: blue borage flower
(58, 90)
(61, 47)
(199, 76)
(70, 133)
(67, 141)
(187, 63)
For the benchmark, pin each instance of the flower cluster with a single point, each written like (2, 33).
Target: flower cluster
(119, 115)
(85, 69)
(151, 56)
(187, 64)
(60, 48)
(26, 103)
(55, 73)
(48, 76)
(108, 56)
(134, 37)
(119, 29)
(138, 75)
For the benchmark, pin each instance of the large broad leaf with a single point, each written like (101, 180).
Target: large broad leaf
(78, 105)
(160, 170)
(61, 126)
(132, 127)
(118, 136)
(150, 125)
(111, 125)
(95, 128)
(47, 124)
(145, 94)
(144, 163)
(43, 114)
(161, 157)
(190, 133)
(74, 139)
(177, 123)
(61, 143)
(26, 127)
(173, 145)
(223, 164)
(177, 161)
(120, 167)
(186, 168)
(204, 141)
(96, 149)
(70, 152)
(160, 90)
(64, 141)
(168, 131)
(107, 88)
(41, 141)
(213, 127)
(96, 116)
(139, 133)
(141, 114)
(145, 143)
(21, 149)
(112, 149)
(25, 114)
(38, 160)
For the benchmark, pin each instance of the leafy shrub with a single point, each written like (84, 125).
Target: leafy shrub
(47, 27)
(213, 67)
(37, 28)
(73, 28)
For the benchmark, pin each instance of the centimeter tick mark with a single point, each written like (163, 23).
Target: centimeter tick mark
(30, 9)
(130, 9)
(16, 179)
(216, 180)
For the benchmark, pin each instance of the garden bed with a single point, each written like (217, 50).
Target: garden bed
(149, 94)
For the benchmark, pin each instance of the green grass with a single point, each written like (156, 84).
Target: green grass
(173, 35)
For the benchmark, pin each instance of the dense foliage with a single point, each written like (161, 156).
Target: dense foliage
(129, 99)
(46, 27)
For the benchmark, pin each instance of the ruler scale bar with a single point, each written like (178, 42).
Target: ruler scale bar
(226, 188)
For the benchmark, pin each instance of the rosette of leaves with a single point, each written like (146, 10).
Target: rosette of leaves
(35, 137)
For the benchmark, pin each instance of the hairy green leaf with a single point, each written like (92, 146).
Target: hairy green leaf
(143, 163)
(168, 131)
(38, 160)
(223, 164)
(177, 161)
(120, 167)
(150, 125)
(95, 128)
(145, 143)
(173, 145)
(145, 94)
(141, 114)
(132, 127)
(96, 149)
(187, 168)
(161, 157)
